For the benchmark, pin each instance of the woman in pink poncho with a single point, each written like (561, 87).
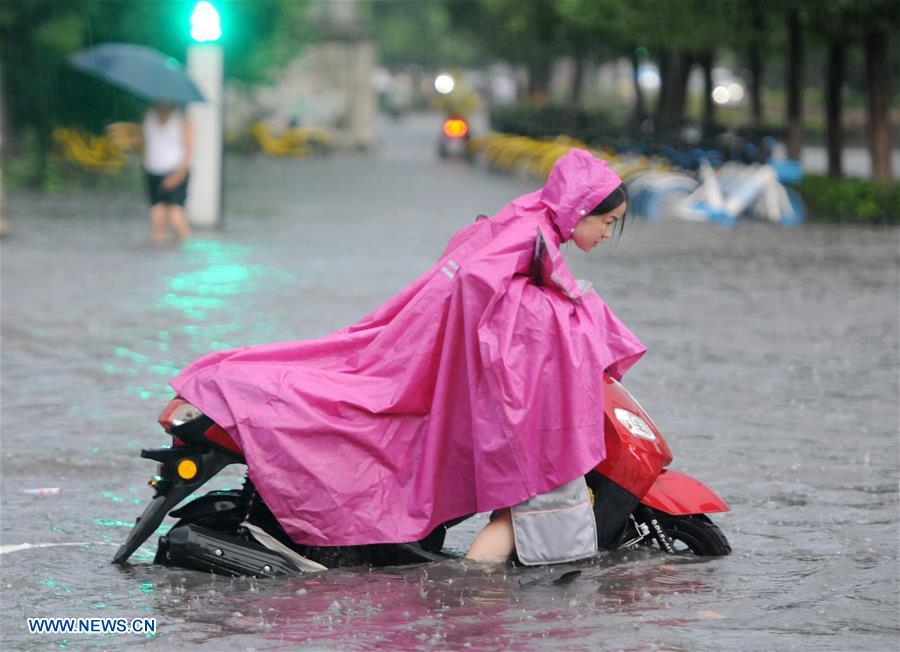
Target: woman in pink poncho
(476, 388)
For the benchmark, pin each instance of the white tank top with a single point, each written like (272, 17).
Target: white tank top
(164, 146)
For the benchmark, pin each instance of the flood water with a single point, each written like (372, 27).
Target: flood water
(772, 370)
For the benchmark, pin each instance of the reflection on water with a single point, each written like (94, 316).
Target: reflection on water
(210, 295)
(197, 292)
(450, 605)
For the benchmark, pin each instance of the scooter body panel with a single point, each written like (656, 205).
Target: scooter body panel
(631, 462)
(678, 494)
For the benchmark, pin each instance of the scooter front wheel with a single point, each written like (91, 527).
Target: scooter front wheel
(694, 534)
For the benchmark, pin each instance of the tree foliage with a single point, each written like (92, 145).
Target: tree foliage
(422, 33)
(36, 36)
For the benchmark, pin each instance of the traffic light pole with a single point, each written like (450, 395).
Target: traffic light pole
(204, 201)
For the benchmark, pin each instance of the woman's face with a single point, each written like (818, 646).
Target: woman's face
(595, 229)
(163, 108)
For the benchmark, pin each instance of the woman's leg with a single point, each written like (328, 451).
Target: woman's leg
(178, 220)
(158, 222)
(495, 542)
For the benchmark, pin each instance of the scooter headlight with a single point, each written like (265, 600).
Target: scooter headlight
(634, 424)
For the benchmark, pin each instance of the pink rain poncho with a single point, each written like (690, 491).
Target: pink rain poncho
(470, 390)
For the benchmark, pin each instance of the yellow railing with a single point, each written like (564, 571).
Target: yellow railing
(535, 158)
(89, 151)
(294, 141)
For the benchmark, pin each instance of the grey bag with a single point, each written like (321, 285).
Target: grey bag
(556, 527)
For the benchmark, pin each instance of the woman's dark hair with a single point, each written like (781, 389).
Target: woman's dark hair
(615, 199)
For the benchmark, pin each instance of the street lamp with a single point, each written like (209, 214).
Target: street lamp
(444, 84)
(205, 65)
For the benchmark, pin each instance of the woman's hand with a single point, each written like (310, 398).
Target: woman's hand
(176, 178)
(173, 180)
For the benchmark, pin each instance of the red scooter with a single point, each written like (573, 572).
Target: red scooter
(637, 502)
(637, 499)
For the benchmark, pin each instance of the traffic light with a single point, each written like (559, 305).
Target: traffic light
(206, 26)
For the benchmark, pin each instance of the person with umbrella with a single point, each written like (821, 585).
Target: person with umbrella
(165, 134)
(167, 141)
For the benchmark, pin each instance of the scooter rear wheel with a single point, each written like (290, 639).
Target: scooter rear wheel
(694, 534)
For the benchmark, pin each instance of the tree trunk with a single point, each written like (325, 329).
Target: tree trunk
(878, 94)
(2, 152)
(834, 73)
(794, 86)
(679, 101)
(755, 64)
(577, 81)
(709, 107)
(662, 95)
(673, 69)
(539, 81)
(640, 109)
(578, 75)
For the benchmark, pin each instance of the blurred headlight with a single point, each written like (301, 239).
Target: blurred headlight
(634, 424)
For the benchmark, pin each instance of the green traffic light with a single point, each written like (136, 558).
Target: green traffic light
(205, 24)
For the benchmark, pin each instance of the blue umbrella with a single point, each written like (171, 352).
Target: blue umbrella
(141, 70)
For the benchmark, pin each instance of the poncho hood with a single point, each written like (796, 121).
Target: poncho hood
(577, 183)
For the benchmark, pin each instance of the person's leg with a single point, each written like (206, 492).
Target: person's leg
(178, 220)
(158, 222)
(495, 542)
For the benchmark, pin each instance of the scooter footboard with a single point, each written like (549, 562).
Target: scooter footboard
(679, 494)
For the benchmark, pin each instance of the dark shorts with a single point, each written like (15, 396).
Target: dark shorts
(157, 195)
